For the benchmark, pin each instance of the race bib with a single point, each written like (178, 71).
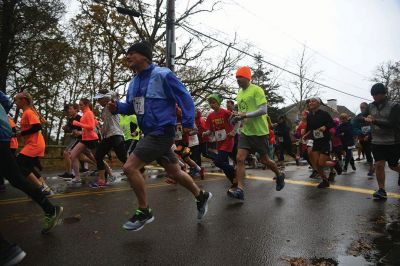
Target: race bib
(138, 104)
(310, 143)
(365, 130)
(220, 135)
(193, 141)
(280, 139)
(178, 135)
(318, 134)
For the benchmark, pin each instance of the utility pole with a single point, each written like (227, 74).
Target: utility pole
(171, 45)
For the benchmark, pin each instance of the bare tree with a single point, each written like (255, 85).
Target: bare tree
(303, 86)
(388, 73)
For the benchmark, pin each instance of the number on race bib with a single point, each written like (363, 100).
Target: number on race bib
(220, 135)
(193, 141)
(139, 105)
(310, 143)
(365, 130)
(318, 134)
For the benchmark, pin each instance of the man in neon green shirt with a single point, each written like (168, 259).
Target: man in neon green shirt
(129, 126)
(252, 105)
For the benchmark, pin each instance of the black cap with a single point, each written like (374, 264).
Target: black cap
(143, 48)
(378, 88)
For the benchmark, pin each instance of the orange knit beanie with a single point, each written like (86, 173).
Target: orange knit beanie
(244, 72)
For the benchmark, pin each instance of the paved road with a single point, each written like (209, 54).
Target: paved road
(341, 225)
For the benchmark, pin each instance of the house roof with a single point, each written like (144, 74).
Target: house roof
(331, 111)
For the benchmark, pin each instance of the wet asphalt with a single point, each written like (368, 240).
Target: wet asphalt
(341, 226)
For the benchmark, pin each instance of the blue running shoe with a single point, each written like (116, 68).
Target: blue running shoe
(380, 194)
(280, 182)
(139, 220)
(236, 193)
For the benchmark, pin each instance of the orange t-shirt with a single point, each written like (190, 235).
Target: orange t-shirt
(13, 141)
(34, 143)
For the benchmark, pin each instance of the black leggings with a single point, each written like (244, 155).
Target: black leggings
(285, 147)
(9, 167)
(367, 149)
(115, 143)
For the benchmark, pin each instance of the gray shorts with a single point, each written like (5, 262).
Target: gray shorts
(156, 148)
(257, 144)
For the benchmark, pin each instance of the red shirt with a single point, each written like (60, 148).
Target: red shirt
(220, 121)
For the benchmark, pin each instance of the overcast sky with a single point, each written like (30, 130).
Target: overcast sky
(348, 38)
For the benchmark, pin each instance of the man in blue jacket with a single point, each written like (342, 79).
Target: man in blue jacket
(152, 96)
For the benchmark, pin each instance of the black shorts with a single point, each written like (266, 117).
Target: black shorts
(156, 148)
(388, 153)
(257, 144)
(72, 144)
(323, 147)
(90, 144)
(27, 164)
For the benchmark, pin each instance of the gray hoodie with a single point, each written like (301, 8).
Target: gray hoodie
(386, 128)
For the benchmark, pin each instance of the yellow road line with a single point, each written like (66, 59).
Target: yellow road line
(335, 187)
(220, 176)
(95, 192)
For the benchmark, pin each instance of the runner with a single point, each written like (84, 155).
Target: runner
(75, 135)
(152, 95)
(230, 106)
(28, 158)
(132, 132)
(363, 130)
(218, 124)
(383, 116)
(345, 131)
(13, 148)
(337, 148)
(252, 105)
(282, 133)
(319, 124)
(89, 137)
(184, 142)
(11, 170)
(113, 138)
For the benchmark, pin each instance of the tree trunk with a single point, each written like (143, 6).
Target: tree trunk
(7, 38)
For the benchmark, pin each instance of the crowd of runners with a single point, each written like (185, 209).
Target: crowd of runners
(158, 122)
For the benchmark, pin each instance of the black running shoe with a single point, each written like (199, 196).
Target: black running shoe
(314, 174)
(280, 182)
(202, 203)
(12, 256)
(65, 174)
(323, 184)
(332, 177)
(338, 167)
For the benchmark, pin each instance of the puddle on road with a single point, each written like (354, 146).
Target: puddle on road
(71, 220)
(311, 262)
(353, 261)
(383, 247)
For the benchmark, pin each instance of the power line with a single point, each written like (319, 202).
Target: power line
(286, 60)
(300, 42)
(192, 31)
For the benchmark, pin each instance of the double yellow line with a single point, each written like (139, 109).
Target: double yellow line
(217, 176)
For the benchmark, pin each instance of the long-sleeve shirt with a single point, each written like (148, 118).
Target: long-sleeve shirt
(152, 96)
(88, 125)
